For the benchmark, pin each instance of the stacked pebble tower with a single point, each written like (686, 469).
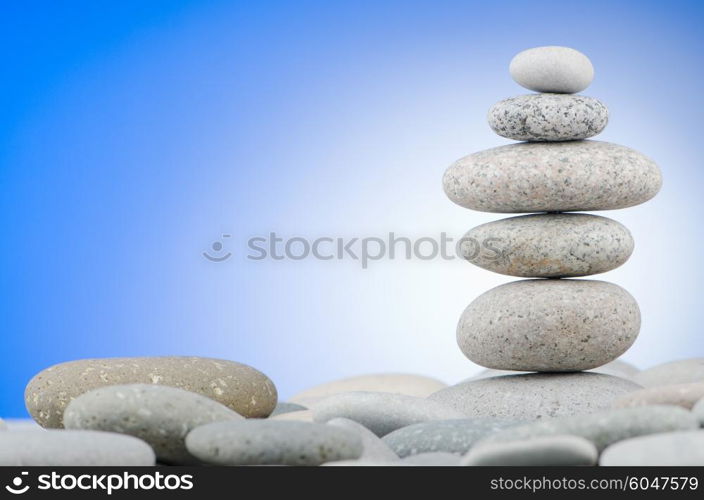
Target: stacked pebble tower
(547, 324)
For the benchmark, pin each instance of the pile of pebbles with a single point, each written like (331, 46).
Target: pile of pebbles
(553, 392)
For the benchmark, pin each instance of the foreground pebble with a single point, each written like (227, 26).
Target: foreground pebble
(534, 396)
(271, 442)
(606, 427)
(237, 386)
(549, 325)
(539, 451)
(548, 245)
(684, 395)
(159, 415)
(679, 449)
(675, 372)
(552, 69)
(548, 117)
(552, 177)
(449, 436)
(73, 448)
(374, 448)
(380, 412)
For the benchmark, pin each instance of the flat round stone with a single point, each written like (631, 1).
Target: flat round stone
(272, 442)
(449, 436)
(534, 396)
(159, 415)
(552, 69)
(552, 177)
(539, 451)
(548, 117)
(237, 386)
(548, 245)
(58, 448)
(549, 325)
(380, 412)
(675, 372)
(374, 448)
(684, 395)
(679, 449)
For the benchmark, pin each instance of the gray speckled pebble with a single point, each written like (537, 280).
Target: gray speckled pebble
(684, 395)
(272, 442)
(549, 325)
(433, 459)
(73, 448)
(552, 69)
(679, 449)
(538, 451)
(698, 411)
(381, 412)
(548, 245)
(450, 436)
(159, 415)
(675, 372)
(605, 427)
(239, 387)
(374, 448)
(282, 407)
(548, 117)
(535, 396)
(552, 177)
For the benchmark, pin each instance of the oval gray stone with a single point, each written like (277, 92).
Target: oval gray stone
(374, 448)
(381, 412)
(549, 325)
(552, 69)
(684, 395)
(548, 117)
(450, 436)
(272, 442)
(675, 372)
(605, 427)
(58, 448)
(534, 396)
(159, 415)
(552, 177)
(548, 245)
(237, 386)
(538, 451)
(679, 449)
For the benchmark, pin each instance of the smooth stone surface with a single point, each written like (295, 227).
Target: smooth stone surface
(605, 427)
(552, 69)
(667, 449)
(159, 415)
(433, 459)
(535, 396)
(548, 117)
(282, 407)
(698, 412)
(297, 416)
(684, 395)
(617, 368)
(397, 383)
(380, 412)
(272, 442)
(539, 451)
(73, 448)
(548, 245)
(552, 177)
(549, 325)
(374, 448)
(675, 372)
(450, 436)
(239, 387)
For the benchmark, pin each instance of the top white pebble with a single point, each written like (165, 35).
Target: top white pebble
(559, 70)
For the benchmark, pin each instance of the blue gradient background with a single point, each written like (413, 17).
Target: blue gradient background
(133, 134)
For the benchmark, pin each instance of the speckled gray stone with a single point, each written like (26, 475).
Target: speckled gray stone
(534, 396)
(272, 442)
(433, 459)
(552, 177)
(698, 411)
(552, 69)
(605, 427)
(450, 436)
(684, 395)
(282, 407)
(556, 450)
(549, 325)
(617, 368)
(159, 415)
(374, 448)
(239, 387)
(675, 372)
(57, 448)
(548, 245)
(668, 449)
(380, 412)
(548, 117)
